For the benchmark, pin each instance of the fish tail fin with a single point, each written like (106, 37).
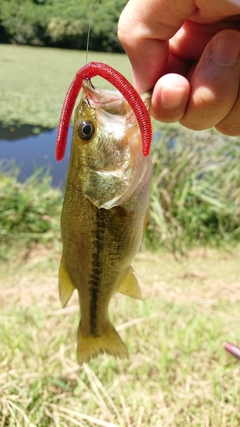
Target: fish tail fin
(109, 342)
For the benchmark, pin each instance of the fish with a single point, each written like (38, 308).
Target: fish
(104, 215)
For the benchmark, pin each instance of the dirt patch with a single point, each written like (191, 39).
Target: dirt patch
(205, 277)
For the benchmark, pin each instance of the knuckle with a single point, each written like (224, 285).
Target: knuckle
(193, 124)
(228, 128)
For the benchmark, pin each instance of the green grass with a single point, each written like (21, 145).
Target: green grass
(178, 373)
(29, 212)
(34, 81)
(195, 195)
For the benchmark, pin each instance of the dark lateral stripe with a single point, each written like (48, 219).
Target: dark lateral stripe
(95, 278)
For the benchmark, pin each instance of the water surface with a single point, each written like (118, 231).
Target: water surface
(30, 151)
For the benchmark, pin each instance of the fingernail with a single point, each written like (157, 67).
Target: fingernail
(226, 49)
(172, 100)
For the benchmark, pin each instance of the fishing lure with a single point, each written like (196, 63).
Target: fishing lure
(233, 349)
(100, 69)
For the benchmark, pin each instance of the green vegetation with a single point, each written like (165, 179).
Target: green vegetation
(34, 82)
(61, 24)
(195, 198)
(178, 373)
(29, 212)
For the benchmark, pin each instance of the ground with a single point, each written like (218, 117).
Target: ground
(178, 372)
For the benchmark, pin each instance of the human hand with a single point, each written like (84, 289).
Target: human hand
(188, 51)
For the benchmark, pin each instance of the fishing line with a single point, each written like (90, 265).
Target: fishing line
(90, 27)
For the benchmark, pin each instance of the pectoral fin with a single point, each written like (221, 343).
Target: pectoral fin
(129, 286)
(65, 284)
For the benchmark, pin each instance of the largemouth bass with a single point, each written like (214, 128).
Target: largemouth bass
(103, 216)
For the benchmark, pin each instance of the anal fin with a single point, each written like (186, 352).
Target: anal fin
(129, 285)
(65, 284)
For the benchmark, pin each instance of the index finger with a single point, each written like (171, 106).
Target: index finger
(145, 26)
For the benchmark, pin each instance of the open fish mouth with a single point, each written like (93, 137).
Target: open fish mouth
(110, 100)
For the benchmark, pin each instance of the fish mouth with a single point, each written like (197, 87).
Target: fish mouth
(110, 100)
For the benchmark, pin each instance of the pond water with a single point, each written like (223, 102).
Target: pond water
(30, 152)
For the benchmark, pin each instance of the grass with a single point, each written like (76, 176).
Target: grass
(195, 196)
(34, 82)
(178, 372)
(29, 212)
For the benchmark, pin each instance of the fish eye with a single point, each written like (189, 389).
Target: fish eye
(86, 130)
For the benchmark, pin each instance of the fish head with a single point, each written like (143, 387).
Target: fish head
(107, 147)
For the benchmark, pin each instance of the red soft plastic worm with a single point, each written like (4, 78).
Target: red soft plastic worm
(120, 82)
